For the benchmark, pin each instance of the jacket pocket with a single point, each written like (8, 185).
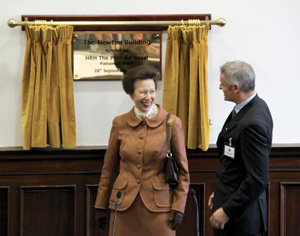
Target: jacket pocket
(119, 185)
(162, 194)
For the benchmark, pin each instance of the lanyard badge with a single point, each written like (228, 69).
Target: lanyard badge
(229, 149)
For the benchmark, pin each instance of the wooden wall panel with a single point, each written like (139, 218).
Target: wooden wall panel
(118, 27)
(92, 226)
(290, 208)
(52, 191)
(189, 222)
(47, 210)
(4, 205)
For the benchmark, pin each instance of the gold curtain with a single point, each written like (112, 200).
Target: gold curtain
(185, 82)
(47, 105)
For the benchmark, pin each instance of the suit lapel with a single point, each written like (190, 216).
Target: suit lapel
(231, 123)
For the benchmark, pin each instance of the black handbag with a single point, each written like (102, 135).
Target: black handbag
(171, 167)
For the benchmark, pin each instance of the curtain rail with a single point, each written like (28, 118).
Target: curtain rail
(220, 22)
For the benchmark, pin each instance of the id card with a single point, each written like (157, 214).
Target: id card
(229, 149)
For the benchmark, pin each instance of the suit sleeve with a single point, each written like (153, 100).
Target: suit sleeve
(255, 155)
(179, 152)
(109, 169)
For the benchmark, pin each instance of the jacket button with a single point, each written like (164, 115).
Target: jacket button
(139, 166)
(138, 181)
(139, 152)
(141, 137)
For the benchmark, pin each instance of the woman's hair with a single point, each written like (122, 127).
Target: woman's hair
(139, 73)
(241, 73)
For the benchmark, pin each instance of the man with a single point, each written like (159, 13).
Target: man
(239, 199)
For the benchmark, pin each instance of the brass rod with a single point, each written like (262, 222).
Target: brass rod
(220, 22)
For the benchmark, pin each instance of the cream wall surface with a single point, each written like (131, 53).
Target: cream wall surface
(263, 33)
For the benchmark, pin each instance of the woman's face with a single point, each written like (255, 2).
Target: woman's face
(144, 94)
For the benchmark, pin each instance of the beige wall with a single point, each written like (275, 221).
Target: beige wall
(264, 33)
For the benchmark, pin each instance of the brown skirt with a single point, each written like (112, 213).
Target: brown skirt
(139, 221)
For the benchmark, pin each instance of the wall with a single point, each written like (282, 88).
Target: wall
(263, 33)
(52, 192)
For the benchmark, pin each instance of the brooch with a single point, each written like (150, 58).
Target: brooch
(170, 121)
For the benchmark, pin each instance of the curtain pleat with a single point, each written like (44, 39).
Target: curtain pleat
(183, 90)
(185, 82)
(172, 59)
(47, 105)
(66, 87)
(203, 132)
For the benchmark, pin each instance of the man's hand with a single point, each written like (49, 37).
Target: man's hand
(175, 218)
(210, 201)
(219, 219)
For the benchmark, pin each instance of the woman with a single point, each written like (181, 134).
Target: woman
(137, 149)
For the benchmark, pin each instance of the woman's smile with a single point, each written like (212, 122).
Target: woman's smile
(144, 94)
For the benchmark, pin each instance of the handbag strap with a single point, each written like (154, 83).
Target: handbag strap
(169, 154)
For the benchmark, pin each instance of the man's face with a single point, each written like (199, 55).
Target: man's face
(227, 90)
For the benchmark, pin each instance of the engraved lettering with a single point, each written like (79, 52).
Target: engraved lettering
(103, 58)
(138, 42)
(90, 57)
(112, 42)
(89, 42)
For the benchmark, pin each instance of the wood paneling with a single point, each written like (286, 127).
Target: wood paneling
(289, 208)
(4, 214)
(117, 18)
(92, 226)
(43, 207)
(189, 222)
(52, 191)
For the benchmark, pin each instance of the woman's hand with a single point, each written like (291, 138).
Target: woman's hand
(175, 218)
(100, 217)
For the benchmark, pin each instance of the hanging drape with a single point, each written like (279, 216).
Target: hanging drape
(185, 92)
(47, 105)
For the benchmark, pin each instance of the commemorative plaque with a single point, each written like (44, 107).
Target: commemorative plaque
(109, 55)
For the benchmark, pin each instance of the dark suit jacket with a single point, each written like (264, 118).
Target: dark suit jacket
(241, 182)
